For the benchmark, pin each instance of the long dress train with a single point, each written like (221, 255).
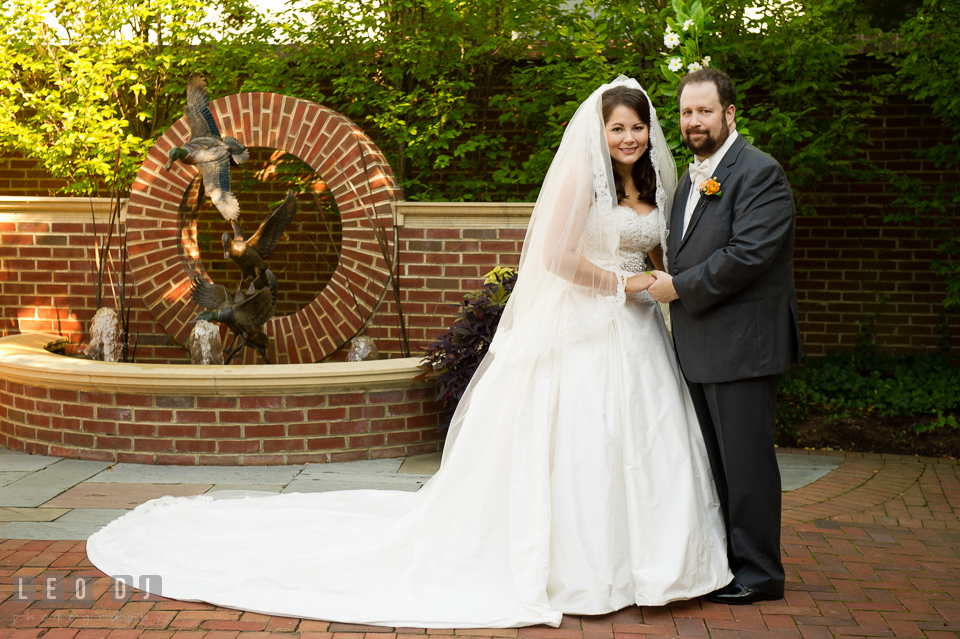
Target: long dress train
(588, 491)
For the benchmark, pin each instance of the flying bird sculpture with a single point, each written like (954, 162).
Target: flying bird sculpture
(249, 254)
(245, 318)
(208, 150)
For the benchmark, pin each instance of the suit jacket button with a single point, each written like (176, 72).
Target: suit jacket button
(676, 271)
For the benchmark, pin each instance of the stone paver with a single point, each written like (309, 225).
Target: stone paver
(139, 473)
(100, 495)
(31, 514)
(270, 488)
(14, 462)
(871, 549)
(44, 485)
(8, 477)
(357, 482)
(796, 471)
(78, 523)
(369, 467)
(427, 464)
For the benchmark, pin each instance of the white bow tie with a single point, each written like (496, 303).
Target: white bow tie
(699, 171)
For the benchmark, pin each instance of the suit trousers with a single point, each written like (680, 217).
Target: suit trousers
(737, 420)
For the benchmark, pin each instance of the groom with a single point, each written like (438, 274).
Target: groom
(733, 307)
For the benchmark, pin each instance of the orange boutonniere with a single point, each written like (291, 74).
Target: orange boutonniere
(710, 187)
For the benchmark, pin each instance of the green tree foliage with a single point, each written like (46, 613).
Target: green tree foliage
(467, 97)
(82, 79)
(420, 75)
(791, 61)
(926, 65)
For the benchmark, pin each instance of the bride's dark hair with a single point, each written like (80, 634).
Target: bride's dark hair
(644, 176)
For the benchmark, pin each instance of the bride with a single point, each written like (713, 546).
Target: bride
(574, 478)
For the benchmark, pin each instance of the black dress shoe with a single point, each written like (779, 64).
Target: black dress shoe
(736, 594)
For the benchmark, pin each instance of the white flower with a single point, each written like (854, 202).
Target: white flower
(706, 61)
(687, 24)
(675, 64)
(671, 40)
(669, 30)
(694, 66)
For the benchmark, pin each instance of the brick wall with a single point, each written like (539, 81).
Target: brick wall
(438, 267)
(21, 176)
(47, 281)
(189, 430)
(853, 267)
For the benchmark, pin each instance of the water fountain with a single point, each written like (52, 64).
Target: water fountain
(293, 412)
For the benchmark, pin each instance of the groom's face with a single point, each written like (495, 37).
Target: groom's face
(705, 125)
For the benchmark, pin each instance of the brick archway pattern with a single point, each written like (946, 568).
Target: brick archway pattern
(163, 254)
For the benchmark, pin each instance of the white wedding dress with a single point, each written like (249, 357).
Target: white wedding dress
(589, 490)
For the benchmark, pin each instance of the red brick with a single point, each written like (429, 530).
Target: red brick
(326, 443)
(241, 446)
(345, 399)
(96, 398)
(148, 415)
(309, 429)
(217, 402)
(264, 430)
(195, 445)
(283, 416)
(261, 402)
(153, 445)
(196, 416)
(326, 414)
(282, 445)
(240, 416)
(365, 441)
(306, 401)
(78, 410)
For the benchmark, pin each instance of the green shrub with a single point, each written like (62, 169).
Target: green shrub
(868, 382)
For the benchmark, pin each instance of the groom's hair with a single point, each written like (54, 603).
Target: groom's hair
(725, 88)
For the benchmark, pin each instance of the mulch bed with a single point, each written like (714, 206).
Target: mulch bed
(872, 434)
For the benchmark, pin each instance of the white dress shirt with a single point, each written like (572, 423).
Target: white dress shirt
(700, 171)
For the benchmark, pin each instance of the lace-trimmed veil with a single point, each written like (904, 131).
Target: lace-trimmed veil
(572, 243)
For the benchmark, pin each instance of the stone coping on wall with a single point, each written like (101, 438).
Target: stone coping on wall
(57, 209)
(459, 215)
(406, 214)
(24, 359)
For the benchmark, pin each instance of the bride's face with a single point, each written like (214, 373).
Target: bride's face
(627, 135)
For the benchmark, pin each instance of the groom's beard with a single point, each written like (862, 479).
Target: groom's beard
(708, 144)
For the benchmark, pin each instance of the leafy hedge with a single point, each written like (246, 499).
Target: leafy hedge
(867, 382)
(468, 98)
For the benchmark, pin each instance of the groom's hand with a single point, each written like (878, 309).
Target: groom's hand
(662, 290)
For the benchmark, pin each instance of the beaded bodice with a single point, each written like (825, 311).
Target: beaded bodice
(638, 234)
(635, 235)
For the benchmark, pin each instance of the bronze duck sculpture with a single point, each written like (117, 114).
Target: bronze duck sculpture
(208, 150)
(245, 317)
(249, 255)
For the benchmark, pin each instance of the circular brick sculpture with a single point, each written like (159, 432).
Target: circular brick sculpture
(162, 247)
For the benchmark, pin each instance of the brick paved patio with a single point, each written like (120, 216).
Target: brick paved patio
(870, 550)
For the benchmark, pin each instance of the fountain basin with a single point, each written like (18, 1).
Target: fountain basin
(211, 415)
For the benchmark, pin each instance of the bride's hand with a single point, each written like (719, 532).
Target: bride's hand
(639, 282)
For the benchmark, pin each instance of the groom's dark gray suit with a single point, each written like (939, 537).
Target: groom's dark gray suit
(735, 327)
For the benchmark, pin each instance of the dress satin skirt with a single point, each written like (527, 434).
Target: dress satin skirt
(578, 483)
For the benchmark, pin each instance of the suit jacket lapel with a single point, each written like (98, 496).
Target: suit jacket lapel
(729, 158)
